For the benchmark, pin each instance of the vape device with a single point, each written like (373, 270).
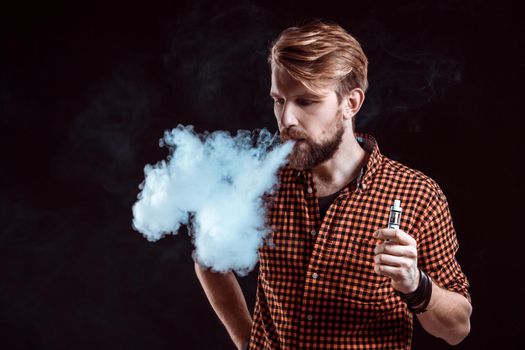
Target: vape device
(395, 214)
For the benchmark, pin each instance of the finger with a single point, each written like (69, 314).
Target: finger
(395, 235)
(391, 260)
(391, 248)
(396, 273)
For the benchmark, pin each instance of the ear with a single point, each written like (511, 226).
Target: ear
(353, 102)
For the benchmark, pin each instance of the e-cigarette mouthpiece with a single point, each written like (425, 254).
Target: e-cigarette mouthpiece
(395, 214)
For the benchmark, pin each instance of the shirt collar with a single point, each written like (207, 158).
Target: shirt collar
(374, 160)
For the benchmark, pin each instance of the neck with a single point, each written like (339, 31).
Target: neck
(344, 166)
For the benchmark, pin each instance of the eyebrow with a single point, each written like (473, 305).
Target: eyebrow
(305, 95)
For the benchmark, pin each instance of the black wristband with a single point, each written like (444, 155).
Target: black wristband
(418, 300)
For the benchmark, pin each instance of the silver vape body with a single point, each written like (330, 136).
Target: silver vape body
(395, 215)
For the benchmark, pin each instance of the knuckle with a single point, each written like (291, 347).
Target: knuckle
(398, 234)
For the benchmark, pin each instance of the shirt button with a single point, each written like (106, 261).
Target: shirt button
(315, 275)
(310, 190)
(313, 232)
(309, 317)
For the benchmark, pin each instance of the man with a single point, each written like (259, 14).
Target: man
(332, 276)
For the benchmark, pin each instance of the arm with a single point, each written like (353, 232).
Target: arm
(447, 315)
(226, 298)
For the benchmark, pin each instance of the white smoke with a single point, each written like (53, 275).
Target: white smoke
(214, 183)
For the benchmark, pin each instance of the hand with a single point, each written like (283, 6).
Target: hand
(396, 257)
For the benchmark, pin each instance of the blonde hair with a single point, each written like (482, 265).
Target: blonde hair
(321, 54)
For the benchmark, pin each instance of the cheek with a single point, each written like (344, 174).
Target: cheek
(315, 124)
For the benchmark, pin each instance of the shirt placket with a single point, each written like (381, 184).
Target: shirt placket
(314, 270)
(317, 230)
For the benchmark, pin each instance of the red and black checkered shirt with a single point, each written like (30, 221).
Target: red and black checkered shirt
(317, 288)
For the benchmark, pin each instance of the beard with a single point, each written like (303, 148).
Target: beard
(307, 154)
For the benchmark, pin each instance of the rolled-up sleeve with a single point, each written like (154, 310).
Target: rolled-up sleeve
(438, 246)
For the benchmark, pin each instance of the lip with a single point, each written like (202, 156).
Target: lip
(294, 140)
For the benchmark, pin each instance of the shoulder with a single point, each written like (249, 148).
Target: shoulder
(411, 181)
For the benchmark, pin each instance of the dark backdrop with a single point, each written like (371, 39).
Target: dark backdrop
(87, 90)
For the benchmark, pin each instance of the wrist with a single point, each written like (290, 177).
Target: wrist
(416, 285)
(418, 300)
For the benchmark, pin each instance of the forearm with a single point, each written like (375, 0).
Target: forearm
(228, 302)
(447, 315)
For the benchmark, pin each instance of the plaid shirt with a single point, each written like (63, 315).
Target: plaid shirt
(316, 286)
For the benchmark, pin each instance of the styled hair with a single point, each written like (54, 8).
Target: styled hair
(321, 54)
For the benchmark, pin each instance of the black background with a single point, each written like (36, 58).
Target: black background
(87, 89)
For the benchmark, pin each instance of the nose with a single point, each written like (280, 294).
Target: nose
(287, 115)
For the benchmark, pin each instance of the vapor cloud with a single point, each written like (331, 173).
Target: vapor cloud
(213, 183)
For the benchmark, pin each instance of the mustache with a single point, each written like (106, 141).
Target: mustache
(291, 135)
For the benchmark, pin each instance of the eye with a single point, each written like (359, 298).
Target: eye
(304, 102)
(278, 101)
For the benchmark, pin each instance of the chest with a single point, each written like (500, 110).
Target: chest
(325, 189)
(343, 239)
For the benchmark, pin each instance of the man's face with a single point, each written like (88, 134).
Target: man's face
(314, 120)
